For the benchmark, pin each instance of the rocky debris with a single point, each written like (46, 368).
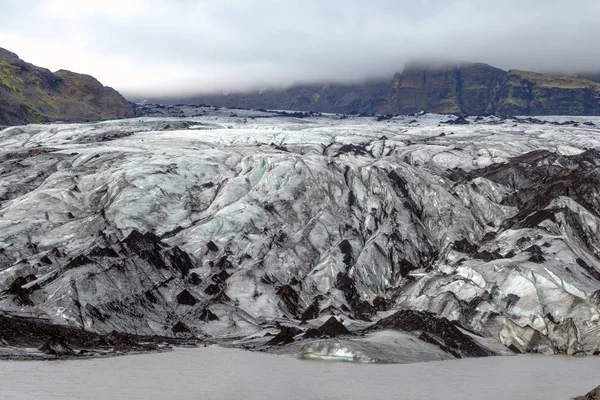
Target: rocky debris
(362, 308)
(464, 246)
(435, 330)
(180, 327)
(46, 260)
(346, 250)
(103, 252)
(104, 137)
(186, 298)
(331, 328)
(537, 255)
(57, 347)
(67, 342)
(592, 395)
(593, 272)
(20, 293)
(356, 150)
(213, 289)
(221, 277)
(289, 297)
(381, 304)
(311, 333)
(195, 279)
(311, 311)
(207, 316)
(285, 336)
(147, 246)
(223, 263)
(458, 121)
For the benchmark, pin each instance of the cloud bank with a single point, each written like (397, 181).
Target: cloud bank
(158, 47)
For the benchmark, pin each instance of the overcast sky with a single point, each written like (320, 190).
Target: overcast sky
(185, 46)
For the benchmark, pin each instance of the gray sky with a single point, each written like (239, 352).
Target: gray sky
(186, 46)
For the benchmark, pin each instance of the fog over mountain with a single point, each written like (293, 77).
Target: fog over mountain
(158, 47)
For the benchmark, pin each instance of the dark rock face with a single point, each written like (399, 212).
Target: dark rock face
(20, 293)
(474, 89)
(180, 327)
(435, 330)
(381, 304)
(446, 90)
(331, 328)
(311, 311)
(363, 98)
(141, 263)
(59, 341)
(593, 395)
(211, 246)
(529, 93)
(186, 298)
(208, 316)
(57, 347)
(538, 178)
(195, 279)
(346, 249)
(30, 94)
(285, 336)
(362, 308)
(289, 297)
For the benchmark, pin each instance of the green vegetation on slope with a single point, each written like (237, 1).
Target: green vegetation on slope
(549, 81)
(474, 89)
(29, 94)
(530, 93)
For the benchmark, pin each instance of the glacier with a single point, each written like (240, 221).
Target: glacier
(232, 225)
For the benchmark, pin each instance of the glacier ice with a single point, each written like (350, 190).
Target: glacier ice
(493, 225)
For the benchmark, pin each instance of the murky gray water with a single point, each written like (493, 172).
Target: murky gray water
(216, 373)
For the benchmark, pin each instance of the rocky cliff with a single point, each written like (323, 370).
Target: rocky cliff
(448, 90)
(475, 89)
(530, 93)
(363, 98)
(30, 94)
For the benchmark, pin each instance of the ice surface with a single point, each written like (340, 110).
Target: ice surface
(376, 347)
(294, 207)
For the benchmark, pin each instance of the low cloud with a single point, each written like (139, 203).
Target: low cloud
(151, 47)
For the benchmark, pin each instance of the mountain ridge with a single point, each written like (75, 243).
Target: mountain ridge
(471, 88)
(31, 94)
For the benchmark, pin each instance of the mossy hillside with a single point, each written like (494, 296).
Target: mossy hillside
(396, 80)
(550, 81)
(9, 77)
(33, 94)
(529, 93)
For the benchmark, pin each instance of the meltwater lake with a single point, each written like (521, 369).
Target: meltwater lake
(220, 373)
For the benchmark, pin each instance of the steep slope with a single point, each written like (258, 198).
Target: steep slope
(451, 89)
(251, 225)
(474, 89)
(335, 98)
(30, 94)
(529, 93)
